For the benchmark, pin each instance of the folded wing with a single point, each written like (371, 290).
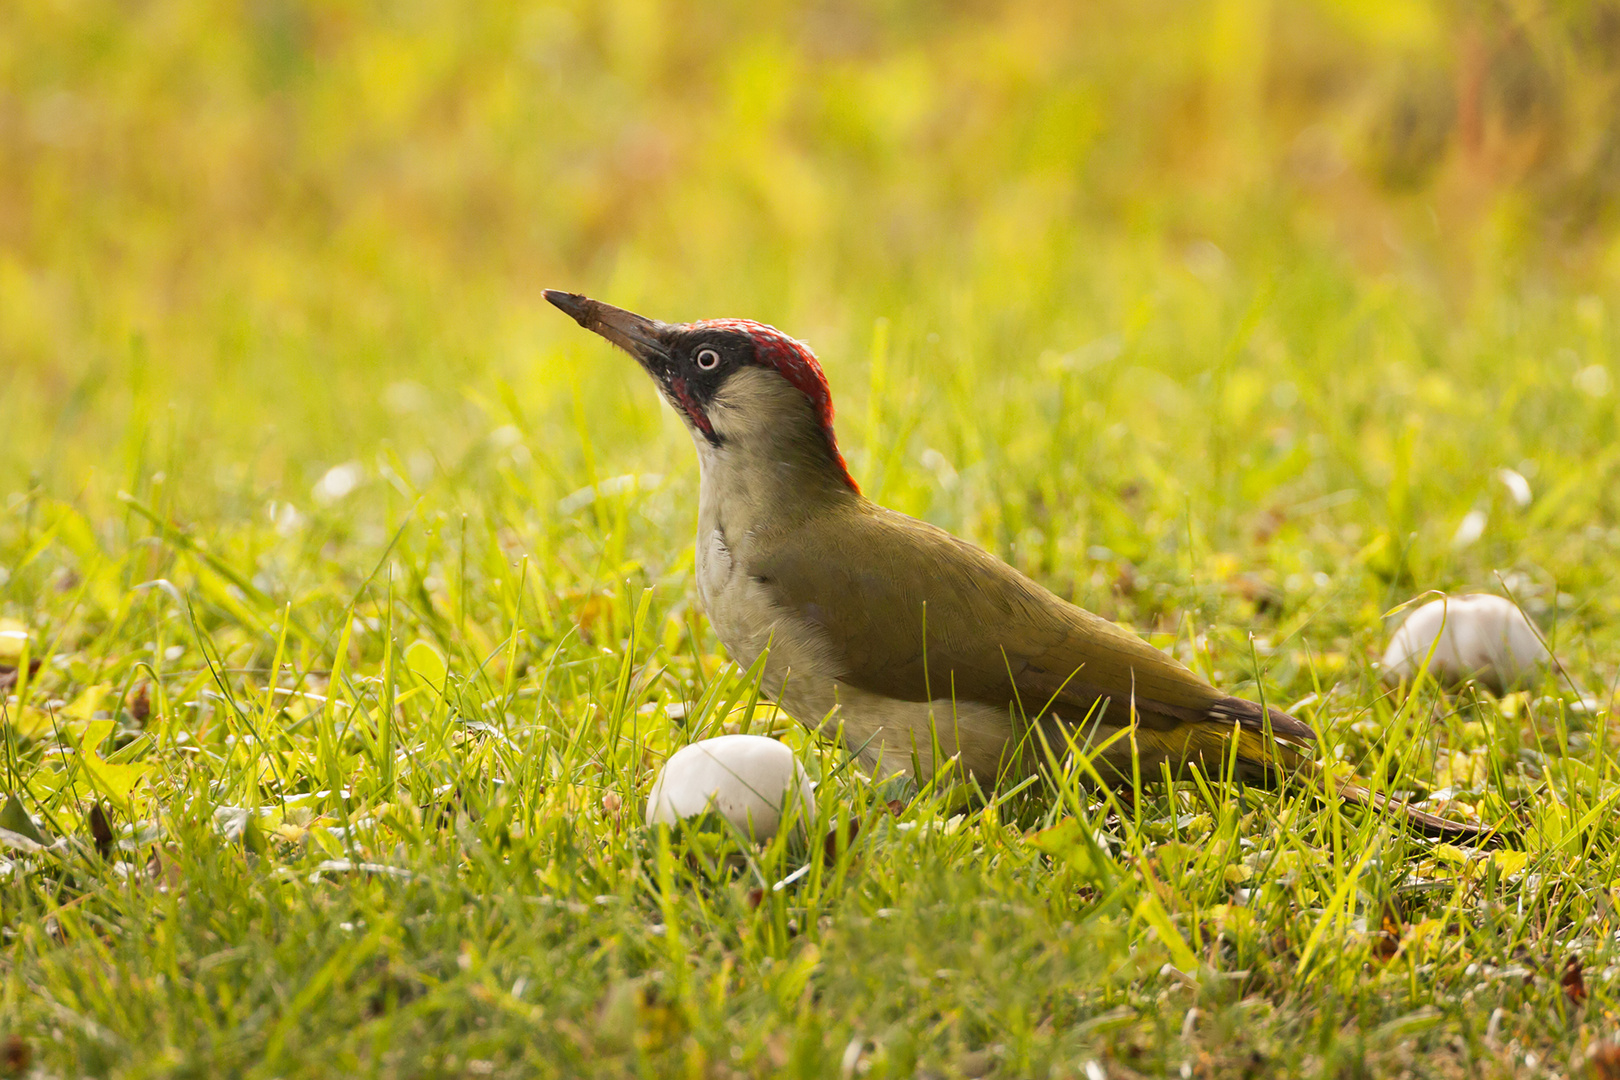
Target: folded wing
(919, 615)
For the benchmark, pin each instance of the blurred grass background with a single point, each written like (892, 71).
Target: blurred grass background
(1103, 276)
(294, 205)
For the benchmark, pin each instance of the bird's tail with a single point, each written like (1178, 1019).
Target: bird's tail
(1424, 822)
(1278, 744)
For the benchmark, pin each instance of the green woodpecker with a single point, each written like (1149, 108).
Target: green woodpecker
(915, 647)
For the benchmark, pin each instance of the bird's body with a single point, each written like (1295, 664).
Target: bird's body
(918, 648)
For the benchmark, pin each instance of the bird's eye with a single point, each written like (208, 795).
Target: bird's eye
(708, 359)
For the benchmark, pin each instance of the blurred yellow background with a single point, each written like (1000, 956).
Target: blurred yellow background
(214, 215)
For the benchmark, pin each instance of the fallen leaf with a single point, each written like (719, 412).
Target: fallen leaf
(1450, 853)
(139, 701)
(31, 722)
(8, 673)
(294, 831)
(101, 831)
(1509, 862)
(1573, 981)
(15, 1055)
(115, 781)
(426, 663)
(830, 843)
(88, 703)
(252, 836)
(14, 819)
(1074, 844)
(1387, 941)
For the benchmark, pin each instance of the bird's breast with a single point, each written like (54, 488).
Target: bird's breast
(739, 608)
(748, 620)
(714, 565)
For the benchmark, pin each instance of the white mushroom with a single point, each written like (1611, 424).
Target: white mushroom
(1475, 636)
(749, 779)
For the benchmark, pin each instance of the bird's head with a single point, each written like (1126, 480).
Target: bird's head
(734, 382)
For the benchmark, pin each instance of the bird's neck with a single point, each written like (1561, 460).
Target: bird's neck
(774, 480)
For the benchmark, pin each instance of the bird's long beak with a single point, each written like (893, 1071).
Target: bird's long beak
(641, 337)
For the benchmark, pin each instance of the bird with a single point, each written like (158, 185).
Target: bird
(920, 651)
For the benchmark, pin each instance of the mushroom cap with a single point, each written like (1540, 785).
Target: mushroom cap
(749, 779)
(1474, 636)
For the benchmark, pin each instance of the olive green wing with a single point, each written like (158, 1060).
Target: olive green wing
(916, 614)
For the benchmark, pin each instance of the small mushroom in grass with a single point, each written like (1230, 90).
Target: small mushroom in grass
(1475, 636)
(750, 780)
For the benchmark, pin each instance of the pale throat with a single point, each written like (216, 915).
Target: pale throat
(750, 483)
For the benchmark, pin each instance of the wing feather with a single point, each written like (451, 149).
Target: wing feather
(916, 614)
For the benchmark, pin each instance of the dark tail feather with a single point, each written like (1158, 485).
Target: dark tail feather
(1248, 715)
(1426, 823)
(1291, 736)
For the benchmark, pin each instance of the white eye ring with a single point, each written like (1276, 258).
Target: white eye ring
(708, 359)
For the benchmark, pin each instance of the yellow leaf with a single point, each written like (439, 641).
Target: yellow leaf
(116, 781)
(1509, 862)
(426, 663)
(85, 706)
(1232, 917)
(97, 731)
(31, 722)
(1462, 770)
(1068, 840)
(1450, 853)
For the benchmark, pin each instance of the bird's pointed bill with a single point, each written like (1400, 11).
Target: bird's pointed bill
(641, 337)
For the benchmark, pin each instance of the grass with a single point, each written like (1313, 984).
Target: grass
(361, 579)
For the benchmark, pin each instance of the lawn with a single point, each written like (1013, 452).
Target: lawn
(360, 585)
